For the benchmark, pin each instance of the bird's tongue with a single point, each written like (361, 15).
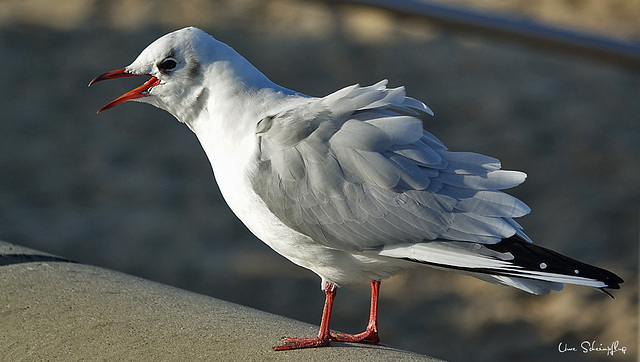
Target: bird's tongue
(133, 94)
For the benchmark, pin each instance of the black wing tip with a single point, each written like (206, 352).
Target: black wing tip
(613, 281)
(530, 256)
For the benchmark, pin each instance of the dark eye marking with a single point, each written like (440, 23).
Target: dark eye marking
(167, 64)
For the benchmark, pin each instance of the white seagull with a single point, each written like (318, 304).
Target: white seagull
(349, 185)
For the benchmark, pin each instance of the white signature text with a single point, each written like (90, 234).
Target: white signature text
(592, 346)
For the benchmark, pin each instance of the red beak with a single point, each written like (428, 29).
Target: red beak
(136, 93)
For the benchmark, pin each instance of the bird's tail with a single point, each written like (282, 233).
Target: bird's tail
(512, 261)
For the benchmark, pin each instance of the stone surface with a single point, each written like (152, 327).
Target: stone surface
(52, 309)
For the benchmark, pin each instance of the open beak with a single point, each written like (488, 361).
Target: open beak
(141, 91)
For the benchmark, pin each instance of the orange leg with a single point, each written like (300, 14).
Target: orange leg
(323, 335)
(370, 335)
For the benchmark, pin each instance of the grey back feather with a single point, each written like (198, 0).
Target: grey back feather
(355, 170)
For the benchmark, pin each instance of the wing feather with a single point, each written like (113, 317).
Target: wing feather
(493, 180)
(421, 155)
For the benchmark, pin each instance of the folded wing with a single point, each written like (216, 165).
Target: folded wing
(355, 170)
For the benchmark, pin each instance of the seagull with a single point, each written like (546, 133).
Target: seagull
(348, 185)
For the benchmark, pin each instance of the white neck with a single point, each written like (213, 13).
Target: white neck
(226, 125)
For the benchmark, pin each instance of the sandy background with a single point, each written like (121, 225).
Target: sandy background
(130, 189)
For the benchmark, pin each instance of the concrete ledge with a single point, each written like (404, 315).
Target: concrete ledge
(55, 309)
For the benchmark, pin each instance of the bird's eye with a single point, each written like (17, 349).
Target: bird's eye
(167, 64)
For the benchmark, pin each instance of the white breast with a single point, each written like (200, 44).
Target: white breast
(227, 133)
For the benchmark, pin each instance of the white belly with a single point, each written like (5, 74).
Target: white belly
(232, 166)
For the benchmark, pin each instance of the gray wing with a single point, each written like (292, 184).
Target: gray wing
(355, 170)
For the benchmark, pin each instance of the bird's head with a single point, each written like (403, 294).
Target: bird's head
(174, 64)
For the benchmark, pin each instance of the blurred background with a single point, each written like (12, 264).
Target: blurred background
(131, 190)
